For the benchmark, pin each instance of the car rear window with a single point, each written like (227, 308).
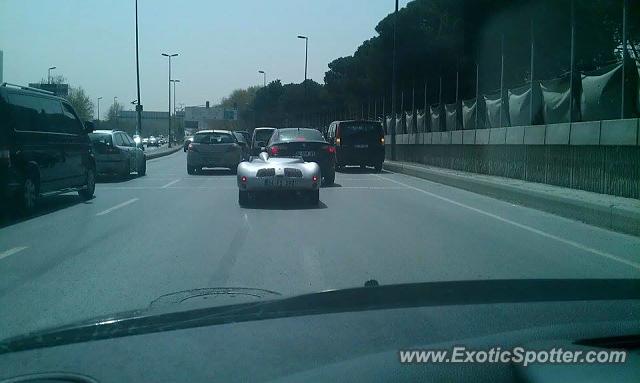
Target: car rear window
(239, 137)
(263, 135)
(358, 129)
(299, 135)
(213, 138)
(103, 138)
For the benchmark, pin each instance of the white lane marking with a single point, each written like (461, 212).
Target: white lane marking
(170, 183)
(118, 206)
(522, 226)
(12, 251)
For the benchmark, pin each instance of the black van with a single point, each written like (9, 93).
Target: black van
(357, 142)
(44, 148)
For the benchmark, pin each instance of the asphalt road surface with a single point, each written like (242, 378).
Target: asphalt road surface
(144, 237)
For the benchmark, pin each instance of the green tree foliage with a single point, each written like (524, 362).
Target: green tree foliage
(81, 103)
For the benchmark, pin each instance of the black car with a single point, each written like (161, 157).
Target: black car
(357, 142)
(44, 147)
(242, 141)
(260, 138)
(308, 144)
(245, 134)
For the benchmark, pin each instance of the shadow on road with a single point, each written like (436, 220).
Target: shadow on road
(333, 185)
(114, 179)
(359, 170)
(282, 202)
(45, 206)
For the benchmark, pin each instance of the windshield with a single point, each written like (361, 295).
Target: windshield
(447, 140)
(213, 138)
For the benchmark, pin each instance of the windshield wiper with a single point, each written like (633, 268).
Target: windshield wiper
(335, 301)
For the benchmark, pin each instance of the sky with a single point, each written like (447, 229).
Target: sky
(221, 43)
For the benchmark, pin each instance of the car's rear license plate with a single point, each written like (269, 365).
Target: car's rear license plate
(279, 183)
(307, 153)
(361, 146)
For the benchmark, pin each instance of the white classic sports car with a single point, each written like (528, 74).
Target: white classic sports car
(278, 174)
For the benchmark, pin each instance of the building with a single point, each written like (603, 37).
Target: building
(153, 123)
(206, 117)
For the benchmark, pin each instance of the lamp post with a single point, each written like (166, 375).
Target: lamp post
(306, 52)
(170, 56)
(264, 78)
(49, 74)
(174, 95)
(139, 104)
(99, 98)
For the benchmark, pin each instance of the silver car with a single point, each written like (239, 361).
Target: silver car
(117, 153)
(213, 149)
(278, 174)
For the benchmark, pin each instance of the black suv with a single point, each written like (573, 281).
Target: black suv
(44, 148)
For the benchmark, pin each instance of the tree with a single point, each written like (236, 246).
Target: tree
(81, 103)
(114, 112)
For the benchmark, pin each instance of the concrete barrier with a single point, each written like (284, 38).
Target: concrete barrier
(162, 152)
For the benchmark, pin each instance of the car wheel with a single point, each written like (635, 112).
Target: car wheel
(142, 171)
(87, 193)
(30, 193)
(191, 170)
(330, 178)
(379, 167)
(314, 197)
(243, 198)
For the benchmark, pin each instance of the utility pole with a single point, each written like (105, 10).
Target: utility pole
(139, 104)
(169, 56)
(393, 83)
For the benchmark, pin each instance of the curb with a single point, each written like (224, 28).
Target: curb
(612, 217)
(158, 154)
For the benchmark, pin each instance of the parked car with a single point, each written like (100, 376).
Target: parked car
(153, 141)
(213, 149)
(309, 144)
(44, 147)
(117, 153)
(260, 138)
(243, 144)
(187, 141)
(357, 142)
(145, 141)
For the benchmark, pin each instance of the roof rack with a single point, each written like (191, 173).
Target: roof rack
(27, 88)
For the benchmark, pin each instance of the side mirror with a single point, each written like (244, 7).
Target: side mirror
(89, 126)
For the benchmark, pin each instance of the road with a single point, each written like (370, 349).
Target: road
(168, 231)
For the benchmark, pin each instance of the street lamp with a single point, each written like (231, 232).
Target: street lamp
(170, 56)
(139, 106)
(306, 51)
(99, 98)
(174, 95)
(115, 112)
(264, 77)
(49, 74)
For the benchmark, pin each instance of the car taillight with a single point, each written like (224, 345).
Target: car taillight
(381, 140)
(190, 147)
(314, 178)
(274, 150)
(331, 149)
(243, 179)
